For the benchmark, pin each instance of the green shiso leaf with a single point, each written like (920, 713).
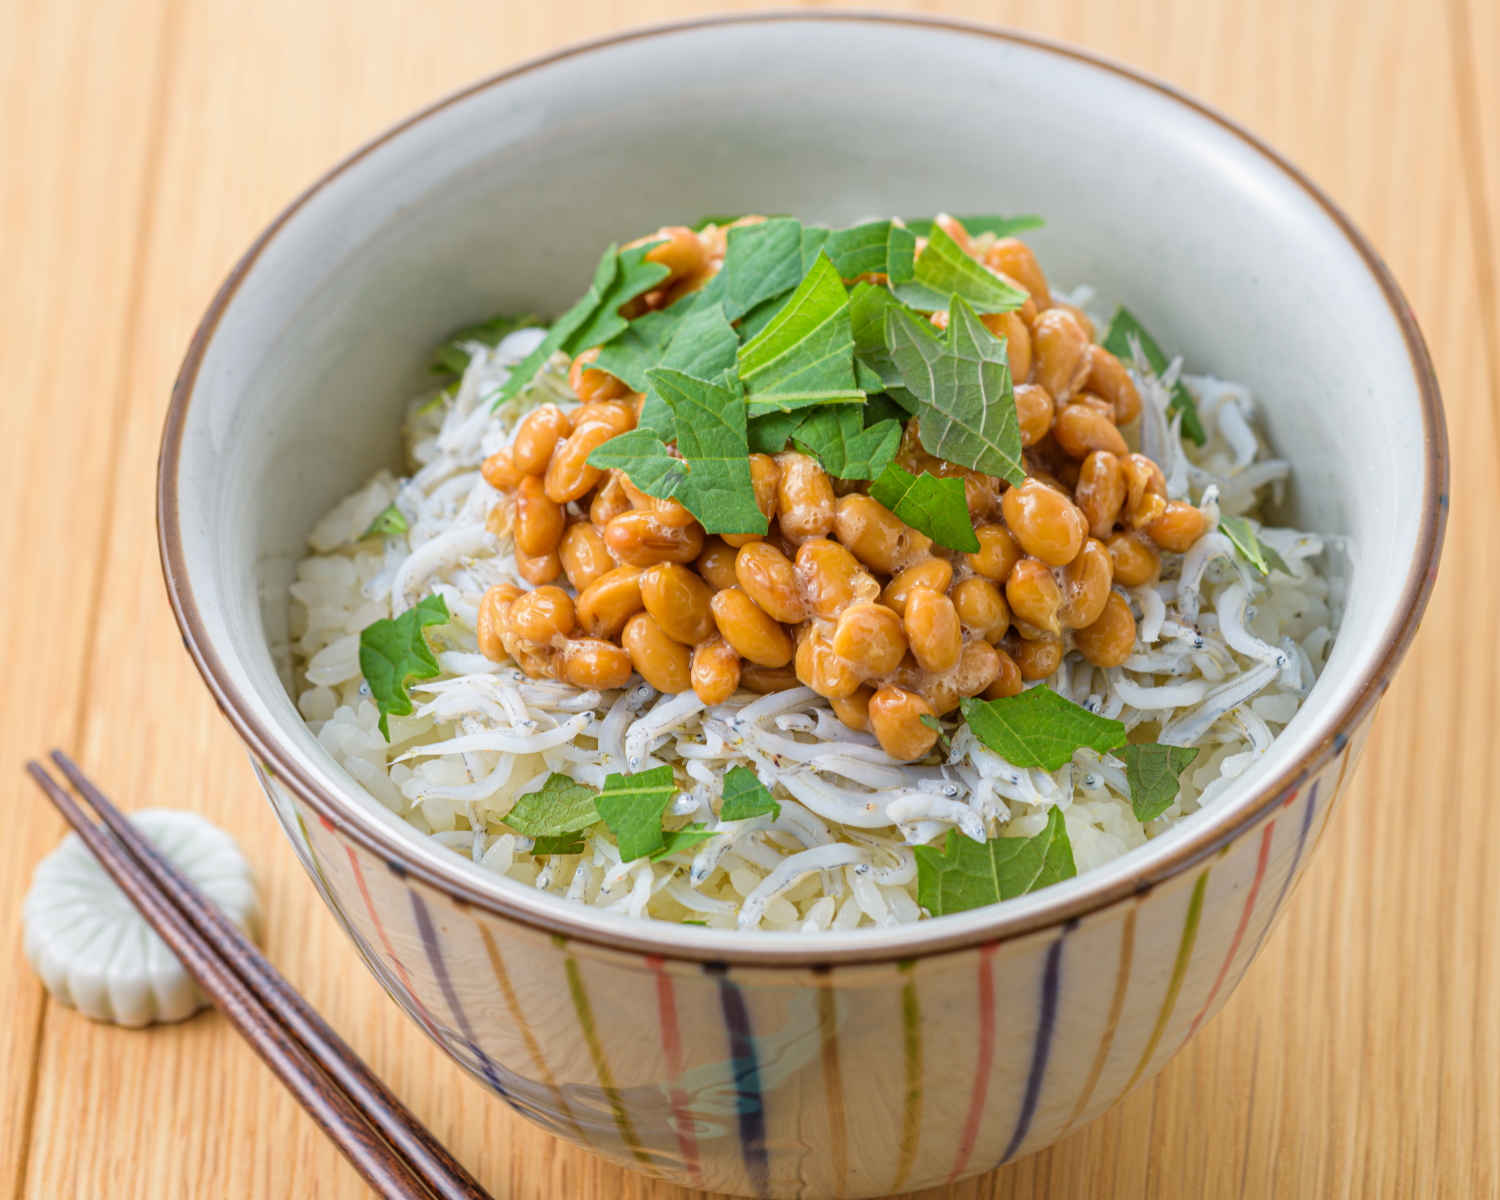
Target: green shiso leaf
(770, 433)
(900, 255)
(645, 458)
(711, 436)
(642, 345)
(967, 874)
(860, 250)
(1001, 227)
(562, 805)
(961, 382)
(452, 359)
(869, 327)
(936, 726)
(1154, 772)
(807, 348)
(1039, 728)
(633, 277)
(837, 438)
(682, 839)
(564, 327)
(620, 277)
(560, 843)
(1259, 555)
(395, 650)
(745, 796)
(704, 346)
(1117, 336)
(936, 507)
(761, 262)
(632, 807)
(390, 523)
(945, 270)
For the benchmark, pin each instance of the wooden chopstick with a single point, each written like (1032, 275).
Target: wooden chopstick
(300, 1066)
(411, 1139)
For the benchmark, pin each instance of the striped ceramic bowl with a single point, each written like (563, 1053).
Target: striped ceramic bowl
(777, 1064)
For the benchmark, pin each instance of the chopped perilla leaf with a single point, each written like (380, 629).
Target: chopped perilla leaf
(1001, 227)
(837, 438)
(1039, 728)
(633, 277)
(390, 523)
(814, 237)
(1259, 555)
(393, 651)
(715, 219)
(761, 262)
(1117, 337)
(560, 843)
(884, 407)
(642, 456)
(451, 358)
(944, 270)
(745, 796)
(710, 421)
(900, 255)
(1153, 772)
(642, 345)
(562, 805)
(869, 327)
(563, 328)
(860, 250)
(807, 347)
(961, 382)
(703, 346)
(682, 839)
(966, 874)
(632, 807)
(936, 507)
(769, 434)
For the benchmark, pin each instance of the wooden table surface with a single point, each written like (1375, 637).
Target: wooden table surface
(143, 143)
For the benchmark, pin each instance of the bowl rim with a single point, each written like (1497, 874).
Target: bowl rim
(731, 947)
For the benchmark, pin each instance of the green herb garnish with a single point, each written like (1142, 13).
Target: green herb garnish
(704, 345)
(393, 651)
(1153, 772)
(562, 805)
(1122, 326)
(1259, 555)
(966, 874)
(937, 507)
(711, 437)
(620, 277)
(390, 523)
(746, 796)
(837, 437)
(946, 270)
(1001, 227)
(632, 807)
(682, 839)
(961, 382)
(452, 359)
(761, 262)
(1039, 728)
(806, 350)
(559, 843)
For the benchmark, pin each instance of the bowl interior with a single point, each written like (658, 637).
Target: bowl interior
(500, 199)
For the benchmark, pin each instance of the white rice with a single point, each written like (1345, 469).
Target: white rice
(1223, 660)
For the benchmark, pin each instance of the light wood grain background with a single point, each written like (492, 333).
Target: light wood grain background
(143, 143)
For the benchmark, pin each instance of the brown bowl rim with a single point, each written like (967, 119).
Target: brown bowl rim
(391, 847)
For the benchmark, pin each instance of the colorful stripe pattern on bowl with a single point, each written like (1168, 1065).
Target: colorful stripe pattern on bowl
(838, 1082)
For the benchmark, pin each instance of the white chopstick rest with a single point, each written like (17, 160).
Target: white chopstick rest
(95, 952)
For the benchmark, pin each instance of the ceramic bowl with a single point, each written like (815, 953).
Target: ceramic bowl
(780, 1064)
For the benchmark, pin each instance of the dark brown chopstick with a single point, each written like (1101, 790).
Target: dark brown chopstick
(391, 1119)
(396, 1155)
